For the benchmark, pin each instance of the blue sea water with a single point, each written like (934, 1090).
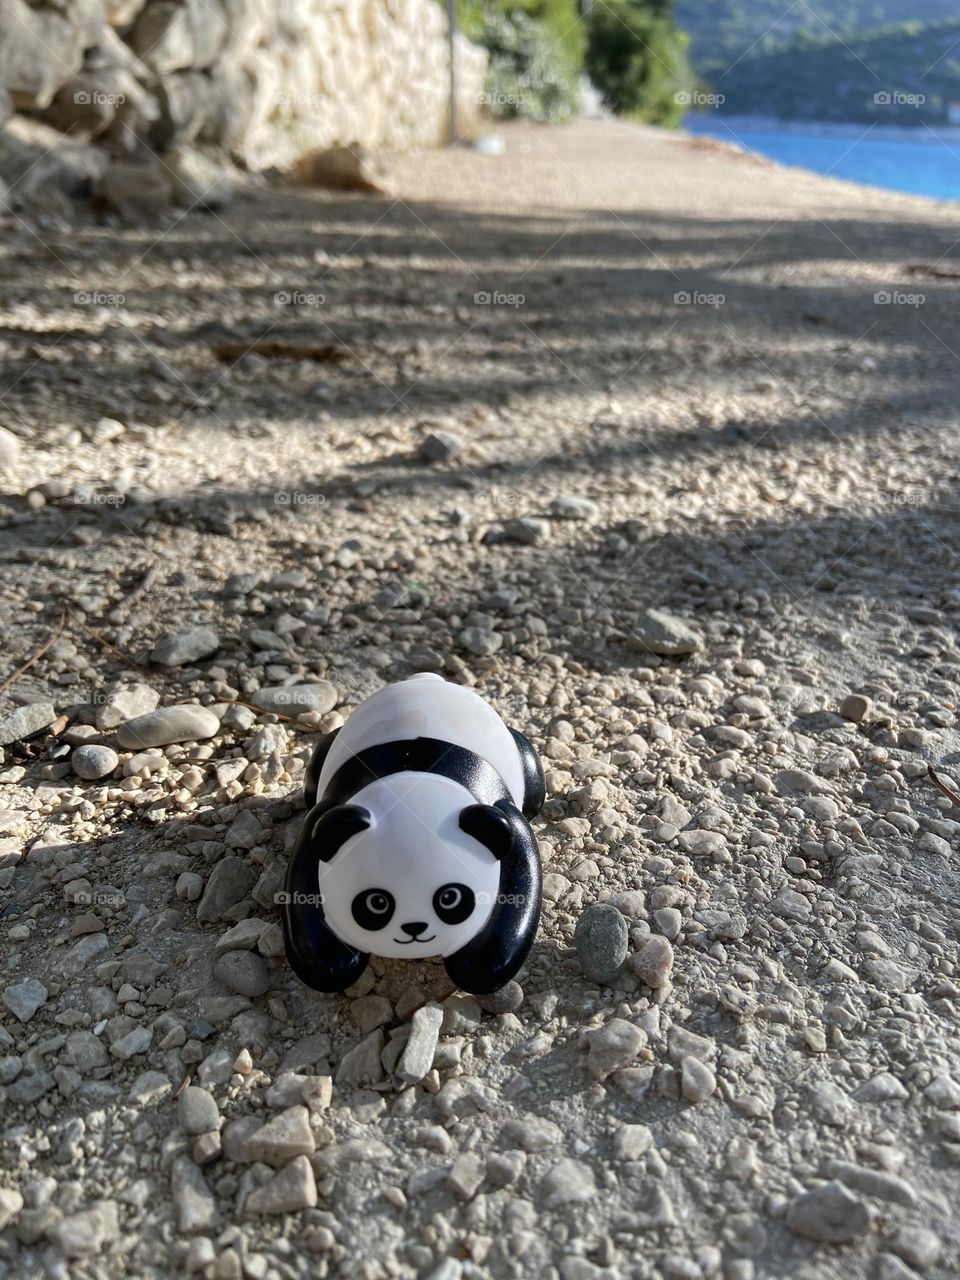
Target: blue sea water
(927, 165)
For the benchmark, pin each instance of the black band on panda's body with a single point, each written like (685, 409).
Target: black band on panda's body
(417, 755)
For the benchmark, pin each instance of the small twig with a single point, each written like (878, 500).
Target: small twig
(942, 786)
(51, 639)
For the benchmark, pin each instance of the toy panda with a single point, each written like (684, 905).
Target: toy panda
(417, 842)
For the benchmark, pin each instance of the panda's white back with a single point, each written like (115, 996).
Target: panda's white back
(427, 706)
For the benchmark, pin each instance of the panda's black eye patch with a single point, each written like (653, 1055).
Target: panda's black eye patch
(373, 908)
(453, 903)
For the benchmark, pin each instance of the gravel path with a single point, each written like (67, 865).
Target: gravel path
(704, 553)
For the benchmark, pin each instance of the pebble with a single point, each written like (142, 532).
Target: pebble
(197, 1111)
(943, 1092)
(697, 1081)
(466, 1175)
(828, 1213)
(526, 530)
(292, 1189)
(669, 921)
(918, 1246)
(653, 963)
(91, 762)
(601, 939)
(282, 1138)
(81, 1234)
(612, 1046)
(439, 446)
(480, 642)
(11, 1202)
(417, 1057)
(193, 1202)
(656, 631)
(297, 700)
(126, 703)
(133, 1043)
(571, 507)
(9, 449)
(506, 999)
(856, 707)
(166, 725)
(568, 1182)
(243, 972)
(23, 999)
(229, 883)
(185, 647)
(361, 1065)
(25, 722)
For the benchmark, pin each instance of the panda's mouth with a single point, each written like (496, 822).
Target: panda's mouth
(408, 942)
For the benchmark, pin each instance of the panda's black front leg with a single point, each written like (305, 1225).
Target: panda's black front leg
(534, 787)
(311, 777)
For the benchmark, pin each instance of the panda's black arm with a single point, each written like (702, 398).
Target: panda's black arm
(534, 787)
(316, 954)
(491, 958)
(311, 777)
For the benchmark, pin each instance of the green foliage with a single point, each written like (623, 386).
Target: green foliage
(638, 60)
(536, 54)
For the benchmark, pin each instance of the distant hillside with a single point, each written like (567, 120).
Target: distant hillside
(722, 31)
(903, 75)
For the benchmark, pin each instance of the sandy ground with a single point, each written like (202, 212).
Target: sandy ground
(679, 379)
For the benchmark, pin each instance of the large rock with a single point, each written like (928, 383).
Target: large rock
(25, 722)
(656, 631)
(42, 48)
(160, 728)
(171, 36)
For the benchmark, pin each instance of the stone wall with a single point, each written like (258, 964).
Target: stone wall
(263, 82)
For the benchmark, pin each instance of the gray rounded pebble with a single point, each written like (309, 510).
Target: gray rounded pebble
(185, 646)
(601, 940)
(197, 1111)
(507, 999)
(243, 972)
(184, 723)
(297, 700)
(91, 762)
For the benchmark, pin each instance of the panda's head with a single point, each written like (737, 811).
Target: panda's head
(412, 867)
(407, 881)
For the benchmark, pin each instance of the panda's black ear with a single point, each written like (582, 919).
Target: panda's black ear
(496, 953)
(316, 954)
(489, 825)
(329, 829)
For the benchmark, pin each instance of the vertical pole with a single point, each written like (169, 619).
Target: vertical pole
(452, 40)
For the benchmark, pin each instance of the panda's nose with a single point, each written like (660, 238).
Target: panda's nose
(414, 927)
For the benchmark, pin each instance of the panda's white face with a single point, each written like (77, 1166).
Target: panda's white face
(413, 884)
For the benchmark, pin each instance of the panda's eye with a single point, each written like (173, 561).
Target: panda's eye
(453, 903)
(373, 908)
